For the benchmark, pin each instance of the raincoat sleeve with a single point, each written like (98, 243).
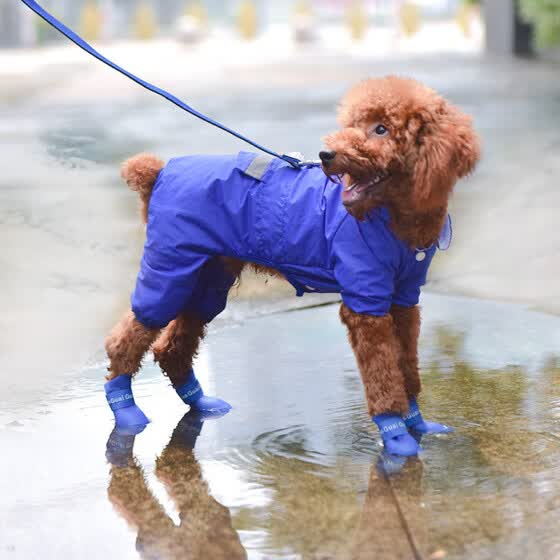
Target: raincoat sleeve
(407, 289)
(366, 276)
(168, 274)
(407, 293)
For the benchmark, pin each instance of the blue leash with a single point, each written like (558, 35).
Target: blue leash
(76, 39)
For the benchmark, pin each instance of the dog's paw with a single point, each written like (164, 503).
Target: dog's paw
(128, 416)
(131, 419)
(211, 407)
(402, 445)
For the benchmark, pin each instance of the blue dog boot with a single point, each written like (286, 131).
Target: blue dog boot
(128, 417)
(191, 393)
(414, 421)
(395, 436)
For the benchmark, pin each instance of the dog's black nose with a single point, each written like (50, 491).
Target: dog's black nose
(327, 157)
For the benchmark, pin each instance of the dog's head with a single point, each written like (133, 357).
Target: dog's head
(401, 144)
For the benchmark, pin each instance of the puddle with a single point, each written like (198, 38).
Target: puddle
(296, 469)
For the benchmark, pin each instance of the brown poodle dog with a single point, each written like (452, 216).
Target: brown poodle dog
(391, 169)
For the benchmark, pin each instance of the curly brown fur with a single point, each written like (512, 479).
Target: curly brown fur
(126, 345)
(407, 329)
(429, 145)
(377, 352)
(178, 345)
(140, 173)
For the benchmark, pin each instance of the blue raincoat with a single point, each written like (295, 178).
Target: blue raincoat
(262, 210)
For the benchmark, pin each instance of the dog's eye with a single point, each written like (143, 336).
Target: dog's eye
(381, 130)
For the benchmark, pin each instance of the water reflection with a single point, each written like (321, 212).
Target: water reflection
(315, 513)
(510, 413)
(394, 493)
(472, 494)
(333, 507)
(205, 529)
(495, 477)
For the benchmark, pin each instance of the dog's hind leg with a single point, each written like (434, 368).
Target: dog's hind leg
(175, 351)
(407, 328)
(178, 345)
(126, 346)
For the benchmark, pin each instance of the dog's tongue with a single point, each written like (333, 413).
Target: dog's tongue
(353, 194)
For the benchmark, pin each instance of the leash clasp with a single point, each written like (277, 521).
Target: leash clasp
(297, 161)
(311, 163)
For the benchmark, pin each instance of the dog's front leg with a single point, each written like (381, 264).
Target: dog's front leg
(126, 346)
(407, 327)
(377, 349)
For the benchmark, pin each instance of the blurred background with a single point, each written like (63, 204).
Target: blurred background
(291, 468)
(146, 19)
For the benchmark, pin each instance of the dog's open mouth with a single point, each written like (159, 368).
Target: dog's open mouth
(356, 191)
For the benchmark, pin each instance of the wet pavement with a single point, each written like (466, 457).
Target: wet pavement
(296, 469)
(71, 237)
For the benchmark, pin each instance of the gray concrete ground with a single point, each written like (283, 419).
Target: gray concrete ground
(295, 463)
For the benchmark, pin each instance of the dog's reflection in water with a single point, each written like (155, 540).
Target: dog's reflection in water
(391, 511)
(205, 529)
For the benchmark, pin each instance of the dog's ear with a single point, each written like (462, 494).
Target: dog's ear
(446, 149)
